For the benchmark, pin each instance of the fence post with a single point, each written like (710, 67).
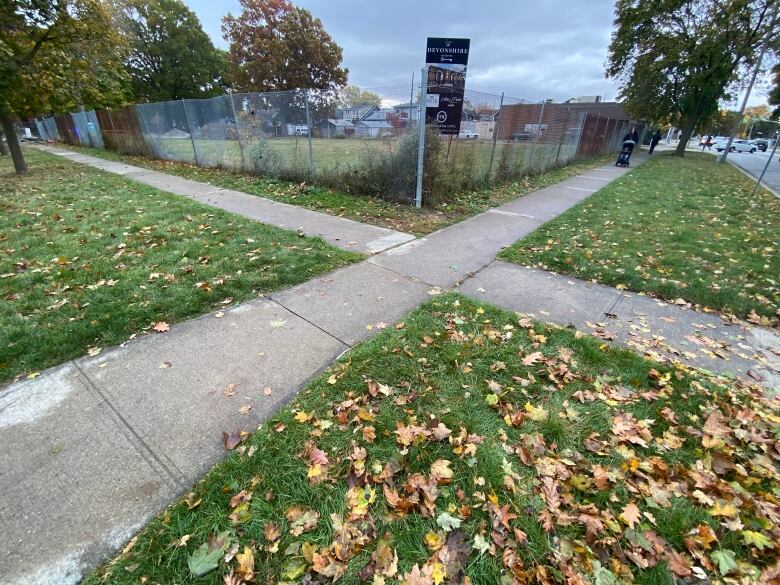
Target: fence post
(421, 139)
(495, 137)
(583, 123)
(538, 134)
(189, 130)
(308, 133)
(238, 132)
(563, 135)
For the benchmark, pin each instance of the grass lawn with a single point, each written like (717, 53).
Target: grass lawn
(88, 258)
(364, 209)
(678, 228)
(469, 440)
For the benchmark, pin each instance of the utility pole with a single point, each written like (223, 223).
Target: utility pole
(769, 160)
(756, 69)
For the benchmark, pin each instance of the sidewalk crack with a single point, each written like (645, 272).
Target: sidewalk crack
(175, 480)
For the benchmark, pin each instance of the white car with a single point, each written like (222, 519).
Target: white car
(736, 146)
(468, 135)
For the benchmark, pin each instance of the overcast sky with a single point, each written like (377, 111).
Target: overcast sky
(531, 49)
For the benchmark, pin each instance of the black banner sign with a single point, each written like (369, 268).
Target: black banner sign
(446, 60)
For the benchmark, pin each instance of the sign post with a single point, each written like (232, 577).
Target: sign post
(446, 61)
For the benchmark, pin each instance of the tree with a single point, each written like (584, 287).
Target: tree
(171, 57)
(675, 59)
(774, 93)
(275, 46)
(56, 55)
(352, 95)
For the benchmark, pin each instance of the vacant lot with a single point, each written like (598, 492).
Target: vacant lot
(678, 228)
(468, 440)
(88, 258)
(375, 211)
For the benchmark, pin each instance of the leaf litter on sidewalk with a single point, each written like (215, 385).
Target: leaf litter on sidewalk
(474, 445)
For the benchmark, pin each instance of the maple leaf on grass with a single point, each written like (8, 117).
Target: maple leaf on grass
(207, 556)
(631, 514)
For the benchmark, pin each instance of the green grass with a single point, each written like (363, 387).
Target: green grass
(88, 258)
(461, 364)
(360, 208)
(677, 228)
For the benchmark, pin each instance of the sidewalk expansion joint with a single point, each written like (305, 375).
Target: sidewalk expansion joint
(175, 480)
(580, 189)
(325, 331)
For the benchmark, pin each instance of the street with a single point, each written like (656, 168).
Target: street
(754, 164)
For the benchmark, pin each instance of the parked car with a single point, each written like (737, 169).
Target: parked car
(736, 146)
(468, 135)
(760, 144)
(523, 135)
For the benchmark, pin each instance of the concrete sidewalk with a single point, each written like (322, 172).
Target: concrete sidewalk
(341, 232)
(94, 448)
(652, 327)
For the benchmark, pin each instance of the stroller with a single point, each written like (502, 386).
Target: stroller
(625, 154)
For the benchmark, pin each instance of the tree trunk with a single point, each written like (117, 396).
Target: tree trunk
(690, 126)
(13, 143)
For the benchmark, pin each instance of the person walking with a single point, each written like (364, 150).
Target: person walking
(655, 140)
(631, 139)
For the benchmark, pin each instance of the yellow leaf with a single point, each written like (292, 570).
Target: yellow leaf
(302, 417)
(726, 509)
(438, 573)
(434, 540)
(246, 563)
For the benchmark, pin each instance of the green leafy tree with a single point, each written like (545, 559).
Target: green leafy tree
(676, 59)
(275, 46)
(56, 56)
(774, 93)
(171, 57)
(352, 95)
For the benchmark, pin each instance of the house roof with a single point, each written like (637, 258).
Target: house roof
(341, 123)
(375, 124)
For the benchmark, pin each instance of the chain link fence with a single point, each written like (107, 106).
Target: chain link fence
(365, 148)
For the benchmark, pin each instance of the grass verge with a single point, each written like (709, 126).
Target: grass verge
(469, 442)
(363, 209)
(678, 228)
(88, 258)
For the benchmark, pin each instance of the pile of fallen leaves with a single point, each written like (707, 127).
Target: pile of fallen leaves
(526, 469)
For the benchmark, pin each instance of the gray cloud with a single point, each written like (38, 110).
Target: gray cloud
(531, 50)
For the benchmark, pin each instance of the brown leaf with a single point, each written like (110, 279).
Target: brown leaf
(245, 409)
(271, 531)
(232, 440)
(246, 564)
(441, 472)
(229, 391)
(161, 327)
(240, 498)
(550, 494)
(631, 514)
(533, 358)
(677, 563)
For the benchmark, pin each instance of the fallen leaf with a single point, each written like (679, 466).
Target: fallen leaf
(206, 557)
(161, 327)
(246, 564)
(631, 514)
(245, 409)
(230, 390)
(532, 358)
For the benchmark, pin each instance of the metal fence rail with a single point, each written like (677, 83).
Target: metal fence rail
(370, 148)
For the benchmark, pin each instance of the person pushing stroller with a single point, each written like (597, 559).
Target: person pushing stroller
(630, 140)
